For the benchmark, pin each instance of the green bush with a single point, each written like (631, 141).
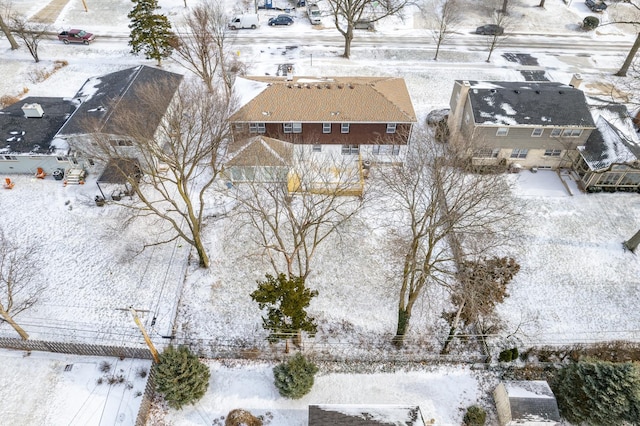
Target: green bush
(590, 23)
(294, 378)
(598, 392)
(475, 416)
(505, 356)
(514, 354)
(180, 377)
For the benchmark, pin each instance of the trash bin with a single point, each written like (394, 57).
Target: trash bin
(58, 174)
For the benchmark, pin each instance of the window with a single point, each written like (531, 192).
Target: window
(556, 132)
(120, 142)
(257, 128)
(391, 127)
(9, 157)
(292, 127)
(502, 131)
(537, 132)
(552, 152)
(239, 127)
(385, 149)
(519, 153)
(572, 133)
(486, 153)
(344, 128)
(326, 127)
(350, 149)
(317, 148)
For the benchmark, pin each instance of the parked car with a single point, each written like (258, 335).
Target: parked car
(596, 6)
(281, 20)
(76, 36)
(491, 29)
(244, 21)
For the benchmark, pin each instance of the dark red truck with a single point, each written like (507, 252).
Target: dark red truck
(76, 36)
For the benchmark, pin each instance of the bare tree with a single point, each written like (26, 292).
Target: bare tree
(30, 33)
(203, 47)
(179, 163)
(5, 12)
(480, 285)
(498, 37)
(622, 72)
(19, 290)
(347, 12)
(445, 15)
(293, 218)
(433, 196)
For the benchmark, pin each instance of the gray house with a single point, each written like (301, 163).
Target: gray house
(610, 159)
(521, 124)
(28, 130)
(526, 403)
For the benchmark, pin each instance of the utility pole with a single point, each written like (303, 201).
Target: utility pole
(152, 348)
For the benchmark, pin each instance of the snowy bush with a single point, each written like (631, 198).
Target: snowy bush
(294, 378)
(598, 392)
(240, 417)
(590, 23)
(508, 355)
(475, 416)
(180, 377)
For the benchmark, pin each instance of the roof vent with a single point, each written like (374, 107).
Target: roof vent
(340, 86)
(561, 92)
(537, 92)
(516, 91)
(32, 110)
(493, 90)
(328, 86)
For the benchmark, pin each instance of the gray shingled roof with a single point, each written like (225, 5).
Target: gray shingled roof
(529, 103)
(532, 400)
(374, 415)
(101, 96)
(22, 135)
(329, 99)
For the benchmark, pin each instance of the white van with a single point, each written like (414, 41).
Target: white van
(244, 21)
(314, 13)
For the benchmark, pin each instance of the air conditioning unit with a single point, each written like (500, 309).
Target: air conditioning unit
(32, 110)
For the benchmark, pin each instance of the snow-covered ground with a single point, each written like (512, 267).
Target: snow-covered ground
(576, 283)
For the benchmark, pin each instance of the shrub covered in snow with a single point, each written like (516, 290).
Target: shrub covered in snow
(180, 377)
(475, 416)
(294, 378)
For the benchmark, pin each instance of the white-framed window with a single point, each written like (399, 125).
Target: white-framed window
(486, 153)
(238, 127)
(556, 132)
(571, 133)
(552, 152)
(391, 127)
(344, 128)
(317, 148)
(120, 142)
(9, 158)
(257, 128)
(292, 127)
(502, 131)
(519, 153)
(326, 127)
(537, 132)
(385, 149)
(350, 149)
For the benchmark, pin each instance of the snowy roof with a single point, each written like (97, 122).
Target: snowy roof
(327, 99)
(99, 97)
(522, 103)
(532, 400)
(368, 415)
(260, 150)
(609, 143)
(33, 135)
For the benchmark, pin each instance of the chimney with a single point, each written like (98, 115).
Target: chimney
(32, 110)
(457, 103)
(576, 80)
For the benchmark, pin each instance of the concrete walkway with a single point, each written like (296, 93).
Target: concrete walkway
(49, 14)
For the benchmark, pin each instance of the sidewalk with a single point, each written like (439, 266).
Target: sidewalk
(49, 13)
